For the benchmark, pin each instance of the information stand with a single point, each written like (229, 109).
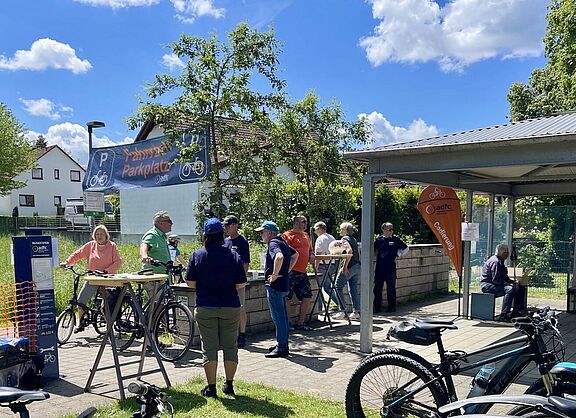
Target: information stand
(332, 263)
(33, 269)
(124, 282)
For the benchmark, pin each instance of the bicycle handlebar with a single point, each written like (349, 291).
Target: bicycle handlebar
(84, 273)
(542, 320)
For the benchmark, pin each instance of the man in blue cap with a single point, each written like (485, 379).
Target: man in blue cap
(280, 258)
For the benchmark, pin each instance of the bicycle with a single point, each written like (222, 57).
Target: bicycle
(172, 321)
(397, 382)
(526, 405)
(94, 315)
(153, 402)
(17, 399)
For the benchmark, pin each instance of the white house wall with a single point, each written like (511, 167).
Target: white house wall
(45, 189)
(138, 206)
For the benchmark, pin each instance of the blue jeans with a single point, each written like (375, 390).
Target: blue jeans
(507, 291)
(352, 279)
(277, 303)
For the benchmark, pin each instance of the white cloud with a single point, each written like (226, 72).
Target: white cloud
(73, 139)
(119, 4)
(384, 133)
(172, 62)
(456, 35)
(45, 107)
(188, 10)
(46, 53)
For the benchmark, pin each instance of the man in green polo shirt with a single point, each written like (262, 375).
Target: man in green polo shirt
(154, 245)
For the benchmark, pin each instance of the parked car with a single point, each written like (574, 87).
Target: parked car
(74, 212)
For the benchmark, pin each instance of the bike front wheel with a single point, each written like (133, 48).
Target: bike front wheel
(173, 331)
(537, 388)
(378, 383)
(126, 326)
(99, 322)
(65, 325)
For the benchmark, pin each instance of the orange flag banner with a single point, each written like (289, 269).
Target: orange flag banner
(440, 208)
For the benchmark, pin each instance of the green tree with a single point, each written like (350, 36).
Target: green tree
(215, 91)
(16, 154)
(552, 88)
(41, 142)
(310, 139)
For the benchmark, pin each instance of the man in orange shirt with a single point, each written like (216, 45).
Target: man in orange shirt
(298, 239)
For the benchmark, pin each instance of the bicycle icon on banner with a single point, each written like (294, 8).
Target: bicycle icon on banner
(192, 170)
(98, 179)
(437, 193)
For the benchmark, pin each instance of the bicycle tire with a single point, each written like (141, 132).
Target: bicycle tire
(173, 331)
(65, 325)
(99, 322)
(375, 382)
(125, 326)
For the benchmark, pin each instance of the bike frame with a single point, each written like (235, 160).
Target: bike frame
(450, 365)
(73, 302)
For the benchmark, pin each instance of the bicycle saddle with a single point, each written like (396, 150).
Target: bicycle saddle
(11, 395)
(564, 405)
(565, 368)
(435, 320)
(435, 326)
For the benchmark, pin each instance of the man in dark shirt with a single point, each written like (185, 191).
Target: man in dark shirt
(387, 248)
(280, 258)
(495, 280)
(239, 244)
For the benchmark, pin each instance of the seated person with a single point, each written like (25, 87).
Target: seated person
(495, 280)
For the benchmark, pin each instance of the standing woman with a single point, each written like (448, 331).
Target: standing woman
(217, 272)
(100, 254)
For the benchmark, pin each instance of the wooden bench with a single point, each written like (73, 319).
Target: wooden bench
(482, 305)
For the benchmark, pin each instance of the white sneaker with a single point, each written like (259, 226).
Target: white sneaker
(355, 316)
(339, 315)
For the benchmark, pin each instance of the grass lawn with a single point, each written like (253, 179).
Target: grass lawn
(252, 400)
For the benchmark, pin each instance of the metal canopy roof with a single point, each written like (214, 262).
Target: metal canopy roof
(530, 157)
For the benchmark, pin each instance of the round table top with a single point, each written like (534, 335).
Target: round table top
(332, 256)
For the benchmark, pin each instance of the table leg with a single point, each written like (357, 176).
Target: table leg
(333, 280)
(148, 337)
(325, 304)
(110, 319)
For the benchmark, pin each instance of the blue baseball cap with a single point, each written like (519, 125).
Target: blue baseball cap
(268, 226)
(213, 226)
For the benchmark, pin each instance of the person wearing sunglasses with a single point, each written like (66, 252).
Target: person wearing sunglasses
(387, 248)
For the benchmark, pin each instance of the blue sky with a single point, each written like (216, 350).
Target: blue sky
(417, 68)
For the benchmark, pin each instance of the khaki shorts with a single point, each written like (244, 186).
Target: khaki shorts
(218, 331)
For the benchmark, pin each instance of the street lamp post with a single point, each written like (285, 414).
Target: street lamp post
(91, 125)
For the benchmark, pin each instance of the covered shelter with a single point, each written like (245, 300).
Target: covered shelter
(527, 158)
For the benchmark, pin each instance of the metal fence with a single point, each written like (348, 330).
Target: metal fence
(8, 224)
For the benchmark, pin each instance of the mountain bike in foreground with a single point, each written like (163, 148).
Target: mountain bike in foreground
(399, 383)
(525, 405)
(17, 400)
(93, 315)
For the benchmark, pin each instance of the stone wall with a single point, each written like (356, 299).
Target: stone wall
(422, 271)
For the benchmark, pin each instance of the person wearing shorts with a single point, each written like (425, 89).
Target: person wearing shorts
(216, 272)
(298, 239)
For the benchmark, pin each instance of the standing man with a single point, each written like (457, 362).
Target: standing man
(280, 258)
(495, 280)
(298, 239)
(387, 248)
(154, 244)
(323, 240)
(239, 244)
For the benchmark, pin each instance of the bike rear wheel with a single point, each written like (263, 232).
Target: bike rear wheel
(379, 381)
(99, 322)
(173, 331)
(126, 326)
(65, 325)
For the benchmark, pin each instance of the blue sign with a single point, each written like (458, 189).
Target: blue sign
(146, 163)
